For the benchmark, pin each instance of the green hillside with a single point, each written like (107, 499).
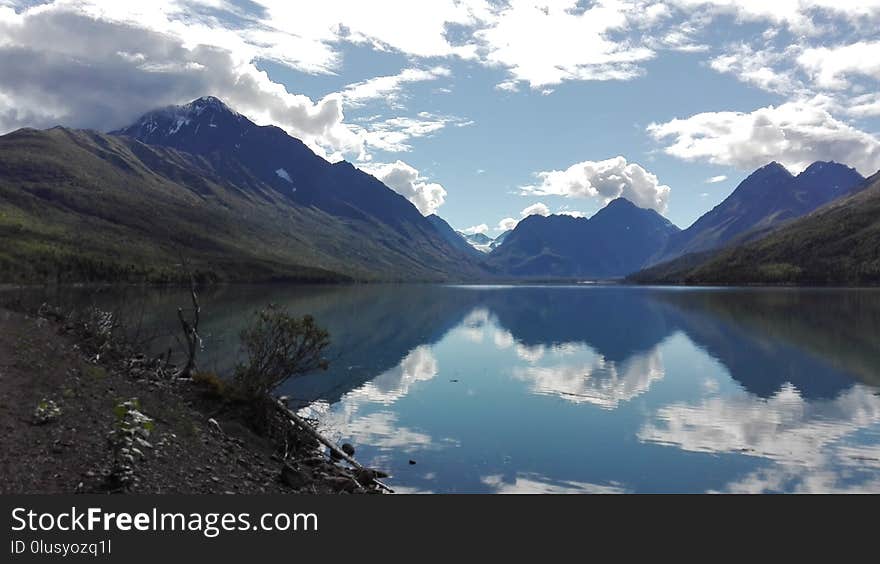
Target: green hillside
(80, 206)
(838, 244)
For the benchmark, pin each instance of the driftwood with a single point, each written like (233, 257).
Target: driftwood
(305, 426)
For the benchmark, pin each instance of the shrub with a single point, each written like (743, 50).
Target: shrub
(279, 346)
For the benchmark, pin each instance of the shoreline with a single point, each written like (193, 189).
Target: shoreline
(476, 284)
(62, 393)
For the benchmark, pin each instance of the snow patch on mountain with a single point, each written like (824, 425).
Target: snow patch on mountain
(283, 175)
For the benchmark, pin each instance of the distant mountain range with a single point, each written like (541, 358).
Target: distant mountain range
(479, 242)
(240, 202)
(621, 238)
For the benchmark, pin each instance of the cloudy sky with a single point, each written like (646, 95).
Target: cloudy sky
(483, 111)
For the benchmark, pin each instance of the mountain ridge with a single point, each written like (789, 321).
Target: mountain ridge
(836, 244)
(765, 199)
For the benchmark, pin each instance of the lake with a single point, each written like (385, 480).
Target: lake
(578, 389)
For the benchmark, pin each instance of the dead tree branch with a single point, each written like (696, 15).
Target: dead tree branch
(190, 328)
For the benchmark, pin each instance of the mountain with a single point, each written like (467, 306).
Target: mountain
(238, 201)
(617, 240)
(230, 141)
(453, 237)
(479, 241)
(496, 242)
(838, 244)
(478, 238)
(767, 198)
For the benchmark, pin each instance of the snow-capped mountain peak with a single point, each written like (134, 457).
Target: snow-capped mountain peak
(207, 114)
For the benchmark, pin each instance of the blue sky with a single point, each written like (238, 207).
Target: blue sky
(481, 111)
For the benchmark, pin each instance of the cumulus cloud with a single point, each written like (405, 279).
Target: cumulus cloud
(481, 228)
(99, 64)
(794, 134)
(604, 180)
(535, 209)
(407, 181)
(831, 67)
(82, 71)
(506, 224)
(546, 44)
(796, 15)
(538, 208)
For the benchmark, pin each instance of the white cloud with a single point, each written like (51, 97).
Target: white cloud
(538, 208)
(101, 71)
(394, 134)
(506, 224)
(797, 15)
(865, 105)
(415, 28)
(407, 181)
(759, 67)
(716, 179)
(481, 228)
(794, 134)
(100, 64)
(564, 210)
(535, 209)
(605, 180)
(551, 42)
(830, 67)
(389, 88)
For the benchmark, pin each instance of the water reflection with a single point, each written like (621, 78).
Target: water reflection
(580, 390)
(599, 381)
(536, 484)
(419, 365)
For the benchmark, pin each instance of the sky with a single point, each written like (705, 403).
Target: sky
(483, 112)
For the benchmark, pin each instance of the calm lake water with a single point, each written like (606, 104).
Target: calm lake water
(581, 389)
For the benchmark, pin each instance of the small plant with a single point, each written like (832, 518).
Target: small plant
(46, 412)
(127, 440)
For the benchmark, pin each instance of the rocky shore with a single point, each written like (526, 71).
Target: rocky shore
(80, 412)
